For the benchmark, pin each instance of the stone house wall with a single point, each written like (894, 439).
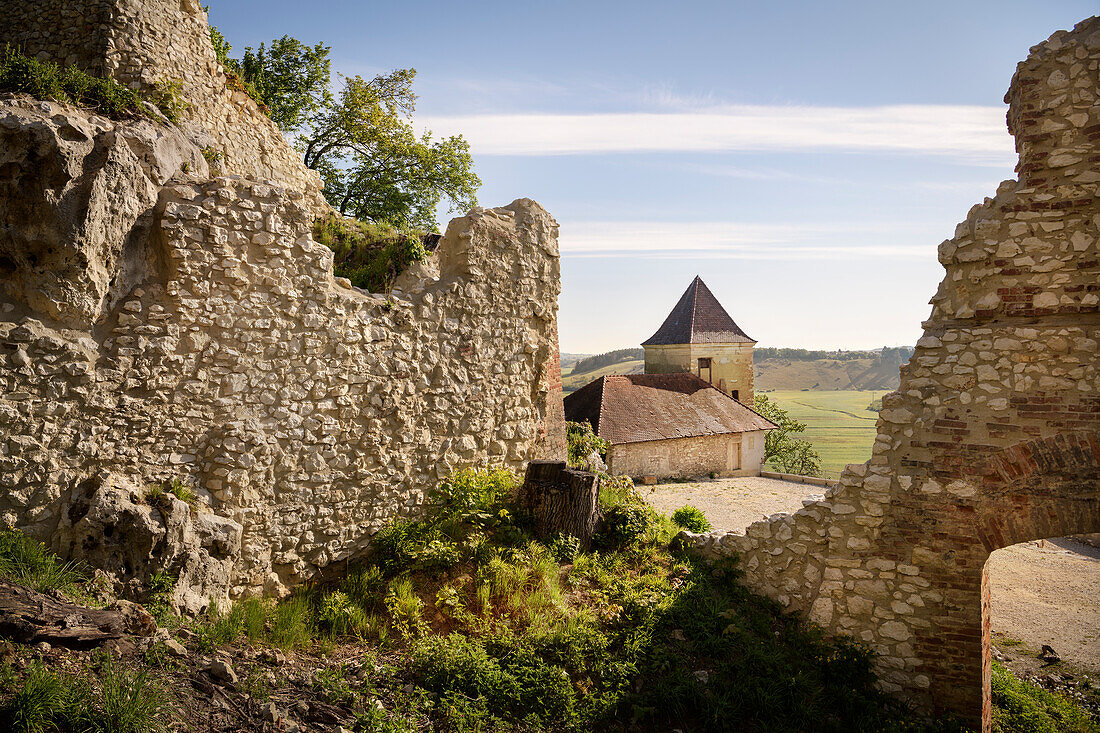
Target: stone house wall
(141, 43)
(730, 454)
(992, 437)
(731, 364)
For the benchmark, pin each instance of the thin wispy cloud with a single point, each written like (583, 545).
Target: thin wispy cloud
(742, 240)
(973, 133)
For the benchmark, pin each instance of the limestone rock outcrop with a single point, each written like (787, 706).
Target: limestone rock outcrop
(122, 529)
(77, 190)
(146, 44)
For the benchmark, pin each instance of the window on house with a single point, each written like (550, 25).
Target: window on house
(704, 366)
(735, 394)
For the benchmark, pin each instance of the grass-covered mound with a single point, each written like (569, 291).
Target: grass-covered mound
(370, 255)
(22, 74)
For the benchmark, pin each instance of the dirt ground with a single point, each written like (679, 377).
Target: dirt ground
(1045, 592)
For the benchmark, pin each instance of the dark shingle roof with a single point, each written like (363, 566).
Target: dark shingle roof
(631, 408)
(698, 318)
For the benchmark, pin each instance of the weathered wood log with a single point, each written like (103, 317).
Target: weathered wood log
(561, 500)
(28, 617)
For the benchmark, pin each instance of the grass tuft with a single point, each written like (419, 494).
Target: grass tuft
(28, 562)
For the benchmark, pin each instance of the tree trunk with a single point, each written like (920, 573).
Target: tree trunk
(561, 500)
(28, 617)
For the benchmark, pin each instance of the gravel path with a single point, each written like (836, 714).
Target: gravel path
(1042, 592)
(1048, 592)
(731, 503)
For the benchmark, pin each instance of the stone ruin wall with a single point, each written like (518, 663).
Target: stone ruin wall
(158, 322)
(306, 411)
(992, 437)
(141, 43)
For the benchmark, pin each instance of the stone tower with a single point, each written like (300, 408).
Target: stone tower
(700, 337)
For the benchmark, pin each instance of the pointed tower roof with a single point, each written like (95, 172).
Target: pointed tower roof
(698, 318)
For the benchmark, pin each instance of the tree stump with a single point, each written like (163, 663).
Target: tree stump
(561, 500)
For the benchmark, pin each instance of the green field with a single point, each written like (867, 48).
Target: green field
(838, 424)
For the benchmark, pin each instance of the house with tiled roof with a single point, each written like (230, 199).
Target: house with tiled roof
(691, 413)
(670, 425)
(699, 337)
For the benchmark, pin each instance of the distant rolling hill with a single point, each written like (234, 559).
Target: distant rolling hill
(782, 369)
(825, 374)
(572, 382)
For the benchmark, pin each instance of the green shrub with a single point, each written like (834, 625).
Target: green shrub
(292, 625)
(27, 562)
(691, 518)
(161, 585)
(615, 490)
(474, 496)
(564, 547)
(581, 442)
(371, 256)
(406, 609)
(24, 74)
(183, 492)
(168, 98)
(213, 158)
(623, 524)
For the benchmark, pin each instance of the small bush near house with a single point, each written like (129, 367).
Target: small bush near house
(581, 442)
(691, 518)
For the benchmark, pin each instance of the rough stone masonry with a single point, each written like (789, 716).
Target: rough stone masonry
(993, 436)
(158, 323)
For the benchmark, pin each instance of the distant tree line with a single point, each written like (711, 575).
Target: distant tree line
(888, 355)
(599, 361)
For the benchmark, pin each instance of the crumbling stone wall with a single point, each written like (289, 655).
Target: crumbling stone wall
(303, 410)
(142, 43)
(992, 437)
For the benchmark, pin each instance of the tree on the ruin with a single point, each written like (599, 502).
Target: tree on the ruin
(361, 140)
(375, 166)
(291, 78)
(782, 450)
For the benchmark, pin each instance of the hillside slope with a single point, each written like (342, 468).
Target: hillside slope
(825, 374)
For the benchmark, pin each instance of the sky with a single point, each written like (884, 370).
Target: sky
(804, 158)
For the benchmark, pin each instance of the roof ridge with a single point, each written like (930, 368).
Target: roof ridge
(694, 303)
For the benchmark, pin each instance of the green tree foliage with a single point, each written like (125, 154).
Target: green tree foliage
(374, 165)
(291, 79)
(781, 449)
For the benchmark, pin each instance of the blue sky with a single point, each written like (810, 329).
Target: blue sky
(805, 159)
